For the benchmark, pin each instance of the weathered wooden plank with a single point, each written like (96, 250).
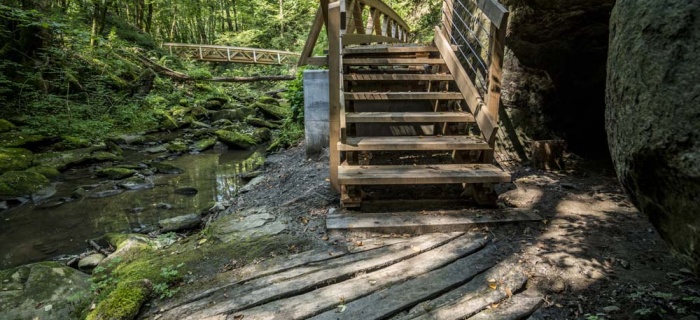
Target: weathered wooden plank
(519, 307)
(299, 280)
(420, 222)
(484, 120)
(391, 61)
(422, 174)
(495, 11)
(350, 39)
(375, 49)
(407, 117)
(473, 296)
(413, 143)
(397, 77)
(389, 301)
(403, 96)
(498, 44)
(266, 268)
(327, 298)
(317, 61)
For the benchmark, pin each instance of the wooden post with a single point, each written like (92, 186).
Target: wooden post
(334, 94)
(498, 41)
(447, 15)
(313, 38)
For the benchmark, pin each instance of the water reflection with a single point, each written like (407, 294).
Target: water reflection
(29, 233)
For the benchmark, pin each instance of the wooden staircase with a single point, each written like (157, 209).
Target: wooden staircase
(401, 102)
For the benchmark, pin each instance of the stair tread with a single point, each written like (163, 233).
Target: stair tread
(421, 174)
(398, 77)
(372, 49)
(403, 96)
(407, 117)
(391, 61)
(414, 143)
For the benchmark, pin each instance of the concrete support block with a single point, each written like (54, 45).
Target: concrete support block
(316, 104)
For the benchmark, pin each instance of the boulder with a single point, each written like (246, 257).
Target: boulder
(262, 135)
(204, 144)
(14, 159)
(21, 183)
(6, 126)
(235, 139)
(250, 223)
(91, 261)
(177, 147)
(45, 290)
(262, 123)
(271, 111)
(18, 139)
(124, 302)
(178, 223)
(115, 173)
(166, 168)
(652, 115)
(48, 172)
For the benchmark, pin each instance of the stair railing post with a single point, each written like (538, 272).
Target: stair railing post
(497, 43)
(447, 12)
(334, 85)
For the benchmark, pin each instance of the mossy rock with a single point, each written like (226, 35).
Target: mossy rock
(213, 105)
(18, 139)
(168, 123)
(102, 156)
(199, 112)
(115, 173)
(15, 159)
(177, 147)
(271, 111)
(262, 123)
(236, 139)
(204, 144)
(179, 111)
(65, 159)
(262, 134)
(45, 290)
(269, 100)
(21, 183)
(232, 106)
(114, 148)
(124, 302)
(166, 168)
(233, 114)
(48, 172)
(6, 126)
(70, 142)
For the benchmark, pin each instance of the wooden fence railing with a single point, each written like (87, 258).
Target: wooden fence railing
(231, 54)
(477, 28)
(359, 22)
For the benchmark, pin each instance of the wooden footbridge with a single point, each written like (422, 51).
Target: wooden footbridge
(205, 52)
(409, 114)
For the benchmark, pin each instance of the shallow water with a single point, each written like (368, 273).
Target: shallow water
(32, 232)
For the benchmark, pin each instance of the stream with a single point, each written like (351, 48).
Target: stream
(46, 229)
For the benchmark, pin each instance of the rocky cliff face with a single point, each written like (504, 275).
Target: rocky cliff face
(653, 114)
(554, 78)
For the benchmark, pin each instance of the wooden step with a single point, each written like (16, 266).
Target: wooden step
(398, 77)
(413, 143)
(421, 174)
(391, 61)
(426, 221)
(375, 49)
(408, 117)
(403, 96)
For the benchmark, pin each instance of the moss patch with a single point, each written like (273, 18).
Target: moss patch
(70, 142)
(262, 123)
(21, 183)
(235, 139)
(13, 159)
(17, 139)
(115, 173)
(6, 125)
(204, 144)
(177, 146)
(124, 302)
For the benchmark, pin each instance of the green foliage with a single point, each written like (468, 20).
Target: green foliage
(168, 275)
(295, 97)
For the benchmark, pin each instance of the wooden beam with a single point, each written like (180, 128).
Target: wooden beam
(415, 143)
(422, 174)
(391, 61)
(313, 37)
(497, 13)
(320, 61)
(397, 77)
(447, 16)
(498, 45)
(408, 117)
(403, 96)
(357, 14)
(334, 95)
(484, 120)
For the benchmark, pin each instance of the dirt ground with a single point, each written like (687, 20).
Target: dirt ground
(593, 255)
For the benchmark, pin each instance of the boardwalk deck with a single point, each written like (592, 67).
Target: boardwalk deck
(449, 272)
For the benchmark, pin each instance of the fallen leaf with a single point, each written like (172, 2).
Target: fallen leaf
(325, 238)
(202, 241)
